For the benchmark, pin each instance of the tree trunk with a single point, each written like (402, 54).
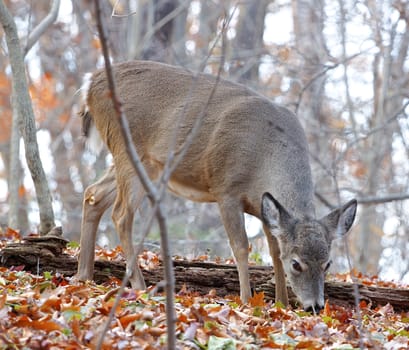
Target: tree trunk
(14, 168)
(209, 15)
(310, 44)
(388, 70)
(151, 39)
(25, 110)
(248, 43)
(178, 39)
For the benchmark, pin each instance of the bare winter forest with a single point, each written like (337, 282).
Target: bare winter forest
(342, 66)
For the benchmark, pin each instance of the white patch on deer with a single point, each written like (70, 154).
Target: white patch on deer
(94, 141)
(86, 83)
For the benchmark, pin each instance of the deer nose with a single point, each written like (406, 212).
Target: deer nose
(315, 309)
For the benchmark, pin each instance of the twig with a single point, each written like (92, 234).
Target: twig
(319, 75)
(381, 128)
(198, 123)
(135, 160)
(370, 200)
(163, 21)
(357, 295)
(383, 199)
(150, 190)
(42, 26)
(173, 161)
(324, 200)
(170, 165)
(182, 6)
(173, 158)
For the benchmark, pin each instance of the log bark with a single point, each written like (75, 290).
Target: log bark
(46, 254)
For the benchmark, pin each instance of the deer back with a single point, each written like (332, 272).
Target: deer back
(246, 145)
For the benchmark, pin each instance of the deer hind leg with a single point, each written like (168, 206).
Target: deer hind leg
(129, 197)
(279, 275)
(98, 197)
(233, 220)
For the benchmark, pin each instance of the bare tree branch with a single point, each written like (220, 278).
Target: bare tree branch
(175, 156)
(380, 128)
(383, 199)
(180, 153)
(42, 26)
(370, 200)
(151, 192)
(318, 75)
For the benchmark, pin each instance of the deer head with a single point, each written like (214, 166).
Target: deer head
(305, 246)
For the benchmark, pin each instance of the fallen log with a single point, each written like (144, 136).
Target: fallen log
(41, 254)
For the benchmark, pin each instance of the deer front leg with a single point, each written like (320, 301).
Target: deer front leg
(97, 199)
(279, 274)
(233, 220)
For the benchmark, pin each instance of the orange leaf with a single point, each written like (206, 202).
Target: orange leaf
(48, 326)
(264, 331)
(327, 309)
(12, 234)
(183, 318)
(3, 298)
(106, 307)
(234, 298)
(53, 303)
(26, 309)
(75, 326)
(127, 319)
(48, 75)
(363, 304)
(96, 43)
(257, 299)
(309, 344)
(21, 191)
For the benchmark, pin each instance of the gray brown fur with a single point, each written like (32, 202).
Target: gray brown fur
(247, 146)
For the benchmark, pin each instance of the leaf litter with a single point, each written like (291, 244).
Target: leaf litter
(50, 311)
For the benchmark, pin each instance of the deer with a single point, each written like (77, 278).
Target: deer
(249, 155)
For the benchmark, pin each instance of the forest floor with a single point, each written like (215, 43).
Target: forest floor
(52, 311)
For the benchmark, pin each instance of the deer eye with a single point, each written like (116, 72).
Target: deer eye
(296, 266)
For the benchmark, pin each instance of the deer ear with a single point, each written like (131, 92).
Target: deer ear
(273, 214)
(339, 221)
